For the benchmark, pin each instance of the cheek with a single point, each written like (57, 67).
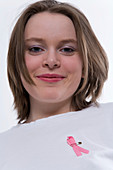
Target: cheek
(32, 63)
(29, 88)
(74, 65)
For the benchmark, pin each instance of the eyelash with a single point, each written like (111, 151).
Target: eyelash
(38, 50)
(35, 49)
(68, 50)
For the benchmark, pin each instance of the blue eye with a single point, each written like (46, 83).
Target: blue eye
(35, 49)
(67, 50)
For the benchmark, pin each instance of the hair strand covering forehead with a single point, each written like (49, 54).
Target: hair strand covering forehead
(95, 63)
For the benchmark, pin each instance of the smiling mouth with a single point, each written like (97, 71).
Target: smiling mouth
(51, 77)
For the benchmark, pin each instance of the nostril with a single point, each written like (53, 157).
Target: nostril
(55, 65)
(51, 65)
(46, 65)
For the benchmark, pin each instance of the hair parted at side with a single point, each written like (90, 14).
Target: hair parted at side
(95, 63)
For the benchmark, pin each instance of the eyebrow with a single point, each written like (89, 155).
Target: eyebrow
(42, 40)
(34, 39)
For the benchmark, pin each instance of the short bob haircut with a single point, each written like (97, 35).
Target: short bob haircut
(95, 63)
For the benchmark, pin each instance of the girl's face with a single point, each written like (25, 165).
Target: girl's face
(52, 58)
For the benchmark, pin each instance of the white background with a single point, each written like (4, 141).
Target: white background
(100, 15)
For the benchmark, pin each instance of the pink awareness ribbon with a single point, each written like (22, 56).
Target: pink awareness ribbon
(77, 149)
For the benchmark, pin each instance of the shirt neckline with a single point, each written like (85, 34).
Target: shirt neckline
(54, 118)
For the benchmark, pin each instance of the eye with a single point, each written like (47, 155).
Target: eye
(67, 50)
(36, 50)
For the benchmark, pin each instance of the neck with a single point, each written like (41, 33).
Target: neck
(41, 110)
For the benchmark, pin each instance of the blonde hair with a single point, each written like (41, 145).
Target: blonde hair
(95, 64)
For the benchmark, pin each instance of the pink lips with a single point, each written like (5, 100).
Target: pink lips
(51, 77)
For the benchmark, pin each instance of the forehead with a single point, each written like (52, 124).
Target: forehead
(52, 24)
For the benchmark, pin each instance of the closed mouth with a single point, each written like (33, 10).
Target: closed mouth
(51, 77)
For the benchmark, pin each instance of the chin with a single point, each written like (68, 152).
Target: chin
(50, 99)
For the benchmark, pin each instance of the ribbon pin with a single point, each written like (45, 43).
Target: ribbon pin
(77, 149)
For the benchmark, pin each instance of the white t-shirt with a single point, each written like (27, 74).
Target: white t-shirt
(42, 145)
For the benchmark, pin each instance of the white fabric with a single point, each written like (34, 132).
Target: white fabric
(42, 145)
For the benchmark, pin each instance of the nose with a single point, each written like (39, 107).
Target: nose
(51, 60)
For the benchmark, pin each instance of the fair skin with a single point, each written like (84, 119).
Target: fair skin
(53, 62)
